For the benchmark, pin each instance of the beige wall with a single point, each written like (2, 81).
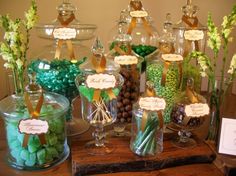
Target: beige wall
(104, 13)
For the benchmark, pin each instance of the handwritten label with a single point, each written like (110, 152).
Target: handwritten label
(227, 144)
(101, 81)
(197, 110)
(138, 14)
(33, 126)
(64, 33)
(193, 35)
(126, 60)
(172, 57)
(152, 103)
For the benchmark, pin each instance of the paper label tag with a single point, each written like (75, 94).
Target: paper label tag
(152, 103)
(64, 33)
(138, 14)
(101, 81)
(33, 126)
(193, 35)
(172, 57)
(197, 110)
(227, 144)
(126, 60)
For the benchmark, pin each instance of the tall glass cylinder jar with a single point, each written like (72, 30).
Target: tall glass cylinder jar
(147, 125)
(36, 137)
(166, 75)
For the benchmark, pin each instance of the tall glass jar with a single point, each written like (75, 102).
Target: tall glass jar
(35, 128)
(190, 36)
(166, 72)
(121, 53)
(99, 87)
(144, 35)
(147, 124)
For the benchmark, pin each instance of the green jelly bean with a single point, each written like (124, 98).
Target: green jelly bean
(41, 154)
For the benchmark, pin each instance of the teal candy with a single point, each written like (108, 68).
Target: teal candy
(16, 152)
(24, 154)
(20, 137)
(32, 160)
(32, 148)
(20, 161)
(14, 144)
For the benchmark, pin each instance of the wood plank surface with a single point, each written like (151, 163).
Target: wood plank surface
(123, 160)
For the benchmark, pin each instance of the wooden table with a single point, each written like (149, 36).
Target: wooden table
(64, 169)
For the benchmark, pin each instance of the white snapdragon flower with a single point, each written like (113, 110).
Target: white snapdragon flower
(31, 17)
(8, 65)
(232, 67)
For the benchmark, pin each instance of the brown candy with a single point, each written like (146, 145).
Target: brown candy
(128, 95)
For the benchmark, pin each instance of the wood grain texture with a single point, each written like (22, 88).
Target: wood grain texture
(123, 160)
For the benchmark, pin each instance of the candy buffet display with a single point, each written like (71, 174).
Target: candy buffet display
(35, 128)
(189, 113)
(99, 87)
(147, 126)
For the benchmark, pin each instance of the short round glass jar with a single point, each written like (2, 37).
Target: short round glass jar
(36, 137)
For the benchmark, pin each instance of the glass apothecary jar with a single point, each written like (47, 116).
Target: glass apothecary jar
(166, 74)
(147, 124)
(191, 36)
(35, 129)
(189, 113)
(121, 53)
(99, 87)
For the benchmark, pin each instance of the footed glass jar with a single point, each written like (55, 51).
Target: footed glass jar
(35, 129)
(99, 87)
(189, 113)
(147, 124)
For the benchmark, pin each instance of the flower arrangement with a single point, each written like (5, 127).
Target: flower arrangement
(218, 39)
(16, 44)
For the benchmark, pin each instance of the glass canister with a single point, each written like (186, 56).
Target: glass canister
(144, 35)
(167, 71)
(147, 124)
(122, 54)
(191, 36)
(99, 87)
(35, 128)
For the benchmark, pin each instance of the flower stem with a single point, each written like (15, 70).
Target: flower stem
(225, 47)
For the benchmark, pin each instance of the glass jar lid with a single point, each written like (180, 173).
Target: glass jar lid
(66, 19)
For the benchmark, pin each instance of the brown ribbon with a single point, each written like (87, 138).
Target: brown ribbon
(150, 92)
(34, 113)
(100, 68)
(138, 6)
(192, 26)
(69, 44)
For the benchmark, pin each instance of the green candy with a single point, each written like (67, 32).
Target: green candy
(41, 154)
(52, 139)
(24, 154)
(52, 151)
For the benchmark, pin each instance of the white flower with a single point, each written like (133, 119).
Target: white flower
(19, 63)
(232, 67)
(203, 74)
(7, 65)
